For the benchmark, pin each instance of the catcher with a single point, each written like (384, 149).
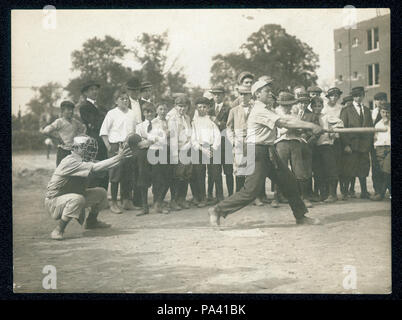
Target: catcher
(67, 193)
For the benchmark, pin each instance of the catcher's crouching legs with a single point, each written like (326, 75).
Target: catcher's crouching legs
(96, 199)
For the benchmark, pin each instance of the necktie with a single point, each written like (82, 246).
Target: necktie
(149, 126)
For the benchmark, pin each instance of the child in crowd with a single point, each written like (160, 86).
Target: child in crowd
(117, 125)
(66, 128)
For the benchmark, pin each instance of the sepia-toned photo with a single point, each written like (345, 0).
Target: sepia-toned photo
(201, 151)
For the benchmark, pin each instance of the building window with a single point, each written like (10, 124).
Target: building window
(355, 75)
(373, 74)
(371, 104)
(355, 42)
(340, 78)
(373, 42)
(339, 47)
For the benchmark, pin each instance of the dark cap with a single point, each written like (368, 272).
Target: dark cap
(333, 91)
(133, 140)
(182, 99)
(380, 96)
(133, 84)
(357, 91)
(303, 96)
(146, 85)
(386, 106)
(88, 85)
(67, 104)
(314, 89)
(286, 98)
(202, 100)
(243, 75)
(217, 89)
(346, 99)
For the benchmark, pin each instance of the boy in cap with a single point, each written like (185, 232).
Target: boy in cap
(205, 141)
(382, 146)
(92, 117)
(380, 99)
(236, 132)
(180, 152)
(67, 192)
(290, 149)
(66, 128)
(118, 124)
(356, 147)
(245, 79)
(143, 170)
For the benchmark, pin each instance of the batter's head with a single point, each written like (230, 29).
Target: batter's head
(86, 147)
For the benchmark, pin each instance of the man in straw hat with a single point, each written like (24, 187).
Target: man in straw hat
(261, 134)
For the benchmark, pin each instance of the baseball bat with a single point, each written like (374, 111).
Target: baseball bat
(356, 130)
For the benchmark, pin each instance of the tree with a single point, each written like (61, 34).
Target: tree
(46, 98)
(151, 50)
(269, 51)
(99, 60)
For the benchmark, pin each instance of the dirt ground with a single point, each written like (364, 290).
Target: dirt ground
(257, 250)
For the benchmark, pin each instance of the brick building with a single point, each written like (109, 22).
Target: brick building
(362, 57)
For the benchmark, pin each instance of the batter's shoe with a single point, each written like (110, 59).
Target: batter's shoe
(214, 218)
(56, 235)
(307, 220)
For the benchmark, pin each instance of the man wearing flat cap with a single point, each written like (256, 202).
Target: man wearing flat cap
(92, 116)
(356, 147)
(245, 79)
(221, 112)
(262, 127)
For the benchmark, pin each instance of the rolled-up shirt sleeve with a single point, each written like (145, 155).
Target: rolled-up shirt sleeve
(267, 118)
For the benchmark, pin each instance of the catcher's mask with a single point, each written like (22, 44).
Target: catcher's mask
(86, 147)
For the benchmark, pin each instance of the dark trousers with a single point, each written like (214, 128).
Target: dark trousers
(215, 179)
(376, 174)
(198, 179)
(162, 180)
(240, 182)
(267, 164)
(61, 154)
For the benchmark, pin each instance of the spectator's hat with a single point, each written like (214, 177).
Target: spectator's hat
(386, 106)
(357, 91)
(303, 97)
(182, 100)
(243, 75)
(346, 99)
(88, 85)
(286, 98)
(146, 85)
(243, 90)
(133, 84)
(202, 100)
(217, 89)
(334, 91)
(380, 96)
(258, 85)
(266, 79)
(314, 89)
(67, 104)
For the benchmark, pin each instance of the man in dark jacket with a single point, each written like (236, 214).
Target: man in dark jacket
(92, 117)
(356, 147)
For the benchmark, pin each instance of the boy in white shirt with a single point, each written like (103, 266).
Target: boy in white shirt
(205, 141)
(382, 145)
(116, 127)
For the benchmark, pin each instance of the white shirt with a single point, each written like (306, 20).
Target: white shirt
(180, 131)
(382, 138)
(374, 113)
(357, 108)
(158, 134)
(135, 107)
(117, 125)
(172, 113)
(328, 121)
(218, 108)
(334, 111)
(205, 132)
(142, 129)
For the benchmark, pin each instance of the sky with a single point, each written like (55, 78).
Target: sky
(41, 46)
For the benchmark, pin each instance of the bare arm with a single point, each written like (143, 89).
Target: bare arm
(293, 123)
